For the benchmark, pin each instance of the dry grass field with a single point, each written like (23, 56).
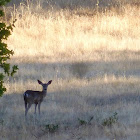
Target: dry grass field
(91, 51)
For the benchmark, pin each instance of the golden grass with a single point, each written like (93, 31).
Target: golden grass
(93, 58)
(68, 35)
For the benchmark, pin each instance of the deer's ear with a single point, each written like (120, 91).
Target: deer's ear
(50, 82)
(39, 82)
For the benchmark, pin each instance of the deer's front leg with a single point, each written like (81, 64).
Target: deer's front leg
(35, 108)
(39, 104)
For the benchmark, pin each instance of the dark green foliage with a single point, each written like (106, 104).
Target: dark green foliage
(1, 121)
(111, 120)
(2, 3)
(83, 122)
(5, 53)
(51, 127)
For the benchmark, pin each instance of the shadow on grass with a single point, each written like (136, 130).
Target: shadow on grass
(72, 4)
(65, 107)
(122, 66)
(85, 7)
(124, 98)
(70, 103)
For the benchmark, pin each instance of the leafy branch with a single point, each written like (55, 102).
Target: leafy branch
(5, 53)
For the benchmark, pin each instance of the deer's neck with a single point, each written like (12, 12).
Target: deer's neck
(44, 92)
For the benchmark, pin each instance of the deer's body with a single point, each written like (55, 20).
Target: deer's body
(35, 97)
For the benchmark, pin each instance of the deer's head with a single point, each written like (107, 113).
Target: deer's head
(44, 85)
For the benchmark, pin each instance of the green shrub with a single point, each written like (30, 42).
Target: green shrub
(110, 120)
(83, 122)
(51, 128)
(1, 121)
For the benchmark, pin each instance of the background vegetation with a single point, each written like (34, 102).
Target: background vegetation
(91, 51)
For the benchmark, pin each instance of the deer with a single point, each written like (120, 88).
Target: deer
(35, 97)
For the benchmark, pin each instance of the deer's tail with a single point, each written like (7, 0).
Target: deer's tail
(25, 96)
(25, 99)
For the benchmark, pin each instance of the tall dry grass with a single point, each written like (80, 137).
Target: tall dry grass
(74, 33)
(92, 54)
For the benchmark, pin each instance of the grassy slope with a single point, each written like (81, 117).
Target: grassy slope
(94, 62)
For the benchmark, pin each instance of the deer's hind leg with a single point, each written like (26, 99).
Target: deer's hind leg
(27, 108)
(25, 105)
